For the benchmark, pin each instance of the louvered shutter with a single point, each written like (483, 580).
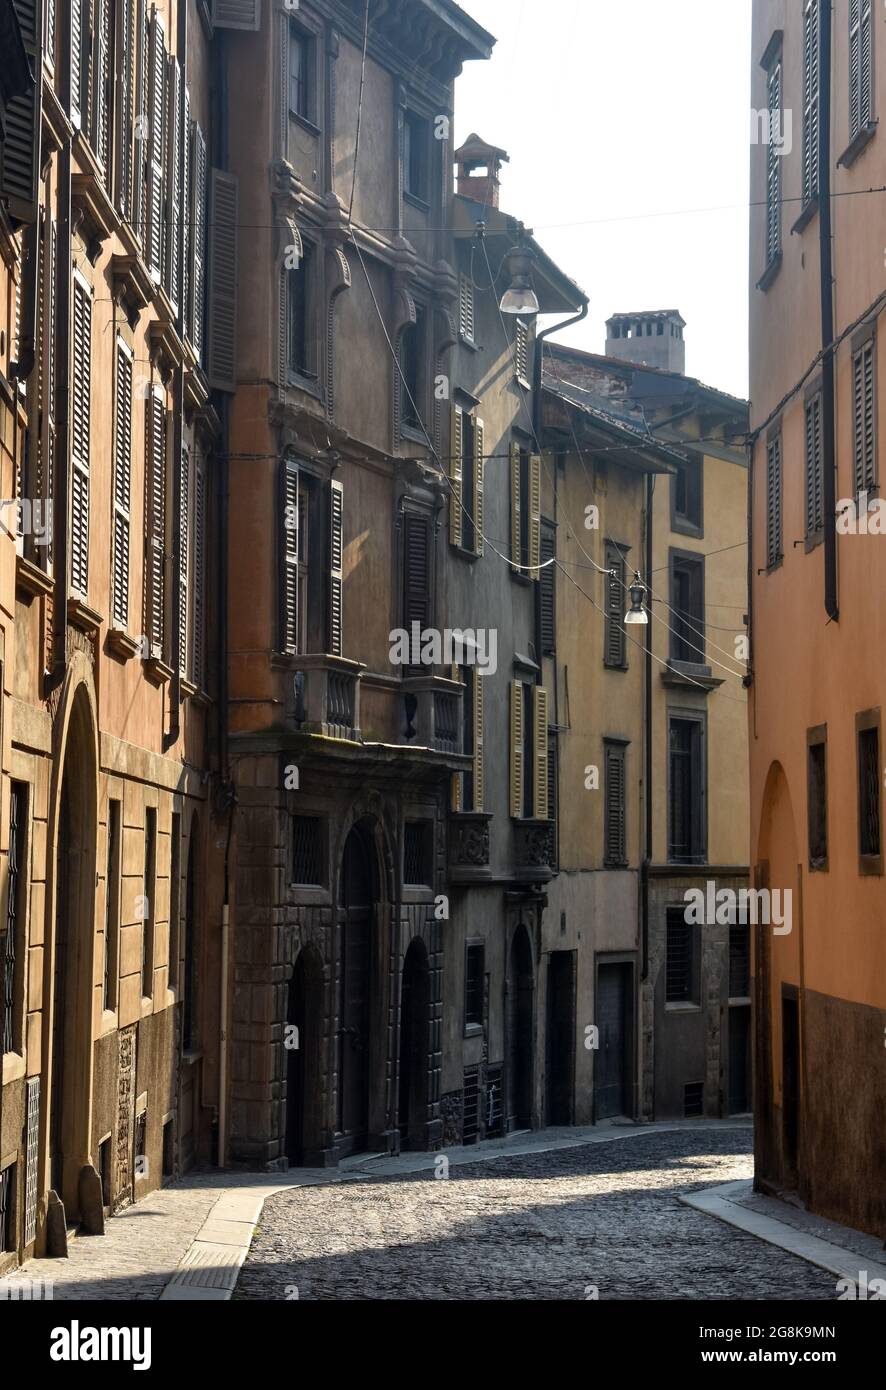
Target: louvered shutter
(615, 805)
(80, 409)
(173, 181)
(479, 484)
(516, 749)
(122, 487)
(100, 86)
(155, 572)
(49, 33)
(336, 566)
(514, 452)
(198, 222)
(854, 66)
(466, 308)
(139, 150)
(773, 501)
(416, 585)
(221, 347)
(198, 637)
(540, 745)
(478, 688)
(20, 148)
(773, 169)
(77, 63)
(123, 110)
(184, 544)
(456, 447)
(186, 145)
(814, 514)
(548, 593)
(863, 419)
(154, 190)
(615, 632)
(289, 556)
(866, 74)
(534, 512)
(810, 99)
(456, 782)
(237, 14)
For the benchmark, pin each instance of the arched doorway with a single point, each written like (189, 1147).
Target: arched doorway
(359, 885)
(519, 1015)
(415, 1003)
(70, 1043)
(302, 1040)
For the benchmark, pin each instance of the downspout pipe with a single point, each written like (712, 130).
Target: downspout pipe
(63, 375)
(537, 365)
(829, 482)
(647, 740)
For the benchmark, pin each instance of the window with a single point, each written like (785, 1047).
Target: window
(198, 582)
(197, 282)
(739, 960)
(810, 99)
(148, 904)
(867, 727)
(418, 856)
(817, 796)
(548, 589)
(529, 751)
(412, 349)
(311, 560)
(100, 84)
(861, 69)
(814, 470)
(468, 787)
(416, 133)
(122, 486)
(112, 905)
(154, 226)
(686, 497)
(525, 510)
(173, 183)
(466, 308)
(299, 348)
(686, 792)
(863, 419)
(614, 815)
(182, 649)
(417, 545)
(175, 887)
(466, 468)
(615, 651)
(80, 432)
(521, 352)
(169, 1148)
(155, 508)
(773, 164)
(14, 943)
(774, 542)
(474, 969)
(308, 860)
(7, 1208)
(687, 604)
(301, 73)
(681, 959)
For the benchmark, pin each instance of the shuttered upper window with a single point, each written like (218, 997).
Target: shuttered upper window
(817, 796)
(221, 361)
(468, 788)
(861, 65)
(466, 307)
(417, 605)
(466, 477)
(614, 812)
(870, 782)
(814, 469)
(155, 521)
(811, 98)
(80, 435)
(687, 818)
(525, 471)
(13, 943)
(773, 164)
(184, 558)
(615, 652)
(198, 585)
(100, 85)
(173, 184)
(197, 291)
(154, 225)
(308, 514)
(774, 552)
(521, 352)
(864, 450)
(122, 487)
(529, 751)
(548, 593)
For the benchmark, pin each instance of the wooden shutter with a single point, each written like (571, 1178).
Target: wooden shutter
(614, 828)
(221, 353)
(854, 66)
(173, 181)
(773, 501)
(548, 593)
(155, 511)
(125, 135)
(336, 568)
(810, 99)
(138, 154)
(540, 786)
(863, 418)
(516, 768)
(186, 145)
(122, 487)
(184, 544)
(534, 512)
(20, 148)
(616, 646)
(866, 76)
(50, 33)
(514, 451)
(466, 307)
(456, 447)
(198, 222)
(773, 169)
(80, 442)
(479, 463)
(456, 782)
(289, 577)
(100, 86)
(198, 625)
(416, 571)
(77, 63)
(478, 688)
(814, 513)
(156, 141)
(237, 14)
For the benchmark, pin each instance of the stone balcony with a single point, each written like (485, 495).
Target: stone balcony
(432, 713)
(327, 695)
(535, 849)
(469, 858)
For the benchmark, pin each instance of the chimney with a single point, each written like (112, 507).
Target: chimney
(478, 165)
(651, 339)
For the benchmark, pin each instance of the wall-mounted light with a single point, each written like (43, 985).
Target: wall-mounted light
(637, 613)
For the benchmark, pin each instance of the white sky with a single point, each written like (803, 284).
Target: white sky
(611, 110)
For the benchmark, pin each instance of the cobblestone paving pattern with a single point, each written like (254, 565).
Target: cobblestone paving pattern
(534, 1226)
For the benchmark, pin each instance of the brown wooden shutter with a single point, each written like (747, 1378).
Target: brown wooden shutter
(773, 169)
(514, 452)
(221, 346)
(198, 638)
(198, 222)
(124, 134)
(810, 99)
(516, 749)
(540, 744)
(534, 512)
(479, 484)
(184, 543)
(77, 63)
(100, 86)
(186, 144)
(237, 14)
(466, 307)
(336, 567)
(478, 690)
(615, 652)
(80, 441)
(863, 418)
(416, 571)
(614, 828)
(456, 447)
(155, 568)
(289, 552)
(814, 508)
(19, 151)
(138, 153)
(172, 261)
(156, 141)
(122, 487)
(49, 33)
(773, 501)
(548, 594)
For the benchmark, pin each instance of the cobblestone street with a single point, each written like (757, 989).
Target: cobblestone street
(543, 1226)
